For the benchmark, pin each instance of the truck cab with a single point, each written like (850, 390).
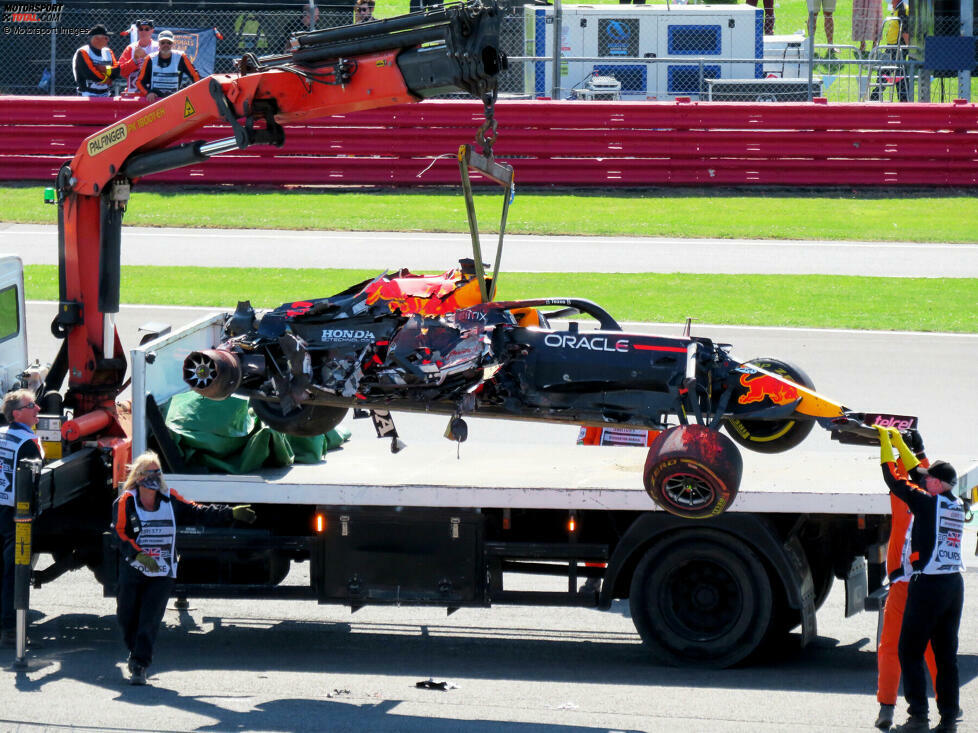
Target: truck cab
(13, 334)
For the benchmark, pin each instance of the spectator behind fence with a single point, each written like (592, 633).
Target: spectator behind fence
(828, 8)
(363, 11)
(251, 35)
(898, 34)
(164, 70)
(867, 18)
(768, 15)
(309, 19)
(307, 22)
(895, 36)
(94, 65)
(132, 59)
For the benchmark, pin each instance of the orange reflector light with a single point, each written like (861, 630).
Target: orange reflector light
(320, 523)
(861, 522)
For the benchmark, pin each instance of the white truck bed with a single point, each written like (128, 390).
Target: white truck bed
(365, 473)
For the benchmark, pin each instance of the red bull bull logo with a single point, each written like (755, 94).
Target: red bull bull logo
(298, 308)
(765, 386)
(434, 296)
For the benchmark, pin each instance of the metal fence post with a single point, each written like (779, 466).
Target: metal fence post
(25, 479)
(54, 51)
(967, 29)
(811, 56)
(558, 26)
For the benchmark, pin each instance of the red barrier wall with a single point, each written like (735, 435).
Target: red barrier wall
(581, 144)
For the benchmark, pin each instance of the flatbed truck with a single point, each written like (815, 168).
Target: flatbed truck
(428, 527)
(419, 527)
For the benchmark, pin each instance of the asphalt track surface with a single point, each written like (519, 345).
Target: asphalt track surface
(37, 244)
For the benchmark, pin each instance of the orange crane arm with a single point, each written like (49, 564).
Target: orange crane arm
(376, 64)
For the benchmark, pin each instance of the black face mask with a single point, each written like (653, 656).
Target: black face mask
(150, 482)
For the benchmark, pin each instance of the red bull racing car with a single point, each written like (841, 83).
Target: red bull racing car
(434, 344)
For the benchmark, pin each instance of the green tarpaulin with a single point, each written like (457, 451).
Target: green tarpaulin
(226, 436)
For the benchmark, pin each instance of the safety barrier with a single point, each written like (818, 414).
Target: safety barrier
(580, 144)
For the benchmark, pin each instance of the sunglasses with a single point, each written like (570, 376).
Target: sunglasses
(145, 27)
(28, 406)
(152, 472)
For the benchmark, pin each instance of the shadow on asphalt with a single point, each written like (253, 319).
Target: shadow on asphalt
(89, 646)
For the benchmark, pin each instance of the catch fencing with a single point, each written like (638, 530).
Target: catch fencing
(558, 143)
(241, 27)
(759, 68)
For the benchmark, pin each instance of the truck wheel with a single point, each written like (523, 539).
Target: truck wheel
(306, 420)
(701, 598)
(772, 436)
(692, 471)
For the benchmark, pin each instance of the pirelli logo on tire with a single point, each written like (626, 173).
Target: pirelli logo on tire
(112, 136)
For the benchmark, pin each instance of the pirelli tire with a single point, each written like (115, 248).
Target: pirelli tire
(693, 471)
(305, 421)
(773, 436)
(701, 598)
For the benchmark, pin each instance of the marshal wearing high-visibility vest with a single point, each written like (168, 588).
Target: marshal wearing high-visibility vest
(94, 65)
(936, 588)
(17, 441)
(162, 73)
(899, 571)
(145, 519)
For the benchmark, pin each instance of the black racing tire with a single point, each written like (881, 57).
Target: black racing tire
(701, 598)
(773, 436)
(693, 472)
(306, 421)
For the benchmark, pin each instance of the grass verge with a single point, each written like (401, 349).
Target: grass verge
(850, 216)
(821, 301)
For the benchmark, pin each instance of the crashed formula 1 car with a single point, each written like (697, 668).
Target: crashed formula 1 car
(437, 344)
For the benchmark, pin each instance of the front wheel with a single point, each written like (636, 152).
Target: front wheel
(769, 436)
(306, 420)
(693, 472)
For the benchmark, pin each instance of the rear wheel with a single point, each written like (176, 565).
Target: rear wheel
(306, 420)
(692, 471)
(772, 436)
(701, 599)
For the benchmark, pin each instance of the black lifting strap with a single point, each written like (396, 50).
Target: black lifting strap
(502, 174)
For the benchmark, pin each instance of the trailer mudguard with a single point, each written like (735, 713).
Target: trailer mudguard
(787, 557)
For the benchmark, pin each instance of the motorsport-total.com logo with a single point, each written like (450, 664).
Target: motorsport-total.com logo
(41, 13)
